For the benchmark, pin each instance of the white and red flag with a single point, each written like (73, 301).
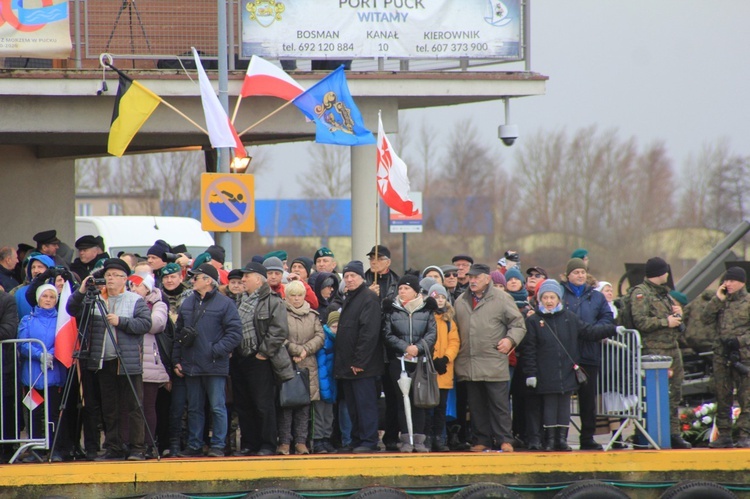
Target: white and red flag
(263, 78)
(393, 180)
(66, 332)
(221, 133)
(33, 399)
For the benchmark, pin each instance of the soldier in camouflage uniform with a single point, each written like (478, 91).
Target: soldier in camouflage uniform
(698, 336)
(729, 310)
(658, 318)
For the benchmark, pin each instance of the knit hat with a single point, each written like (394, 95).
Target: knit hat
(280, 254)
(735, 274)
(426, 283)
(321, 253)
(356, 267)
(498, 277)
(273, 263)
(437, 290)
(579, 253)
(145, 279)
(656, 267)
(435, 268)
(410, 280)
(573, 264)
(44, 287)
(158, 249)
(170, 268)
(217, 253)
(201, 259)
(550, 285)
(514, 273)
(333, 317)
(601, 285)
(305, 262)
(681, 298)
(257, 259)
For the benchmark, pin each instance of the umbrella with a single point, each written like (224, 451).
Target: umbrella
(404, 383)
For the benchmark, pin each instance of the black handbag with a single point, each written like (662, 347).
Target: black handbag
(425, 389)
(295, 392)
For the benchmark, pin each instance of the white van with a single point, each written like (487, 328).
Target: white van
(138, 234)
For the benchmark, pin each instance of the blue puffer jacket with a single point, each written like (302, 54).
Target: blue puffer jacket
(219, 332)
(40, 324)
(324, 356)
(24, 307)
(592, 308)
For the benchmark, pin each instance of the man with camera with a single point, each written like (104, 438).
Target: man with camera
(208, 329)
(117, 357)
(659, 320)
(90, 251)
(729, 312)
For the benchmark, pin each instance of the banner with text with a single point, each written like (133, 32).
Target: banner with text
(412, 29)
(38, 29)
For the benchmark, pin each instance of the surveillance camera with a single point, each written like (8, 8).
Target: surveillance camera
(508, 134)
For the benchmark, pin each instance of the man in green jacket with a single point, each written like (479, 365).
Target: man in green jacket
(490, 326)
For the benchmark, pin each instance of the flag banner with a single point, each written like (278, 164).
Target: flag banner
(392, 177)
(330, 105)
(39, 29)
(219, 128)
(133, 106)
(66, 332)
(263, 78)
(33, 399)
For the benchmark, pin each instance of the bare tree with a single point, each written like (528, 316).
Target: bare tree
(329, 175)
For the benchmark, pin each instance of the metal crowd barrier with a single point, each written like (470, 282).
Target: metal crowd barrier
(18, 430)
(620, 385)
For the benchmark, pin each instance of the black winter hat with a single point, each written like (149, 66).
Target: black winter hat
(410, 280)
(656, 266)
(158, 249)
(305, 262)
(735, 274)
(255, 267)
(217, 253)
(356, 267)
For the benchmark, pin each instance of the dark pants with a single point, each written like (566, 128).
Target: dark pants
(587, 402)
(392, 397)
(490, 412)
(556, 409)
(116, 391)
(361, 398)
(254, 391)
(436, 426)
(532, 416)
(36, 421)
(177, 410)
(462, 405)
(417, 414)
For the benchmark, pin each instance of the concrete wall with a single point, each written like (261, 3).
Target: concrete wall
(35, 195)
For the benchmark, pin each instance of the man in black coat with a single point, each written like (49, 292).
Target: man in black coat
(358, 358)
(8, 331)
(90, 251)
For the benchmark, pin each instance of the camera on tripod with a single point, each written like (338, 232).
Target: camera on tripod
(732, 359)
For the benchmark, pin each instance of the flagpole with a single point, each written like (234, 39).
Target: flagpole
(236, 108)
(243, 132)
(170, 106)
(377, 209)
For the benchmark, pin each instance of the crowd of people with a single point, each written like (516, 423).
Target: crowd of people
(173, 348)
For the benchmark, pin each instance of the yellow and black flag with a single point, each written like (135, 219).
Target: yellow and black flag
(133, 106)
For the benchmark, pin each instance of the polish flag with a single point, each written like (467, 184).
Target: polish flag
(239, 147)
(219, 128)
(263, 78)
(33, 399)
(66, 332)
(393, 181)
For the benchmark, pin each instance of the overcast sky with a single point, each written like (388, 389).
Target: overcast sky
(677, 71)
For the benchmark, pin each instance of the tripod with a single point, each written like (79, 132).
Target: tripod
(93, 303)
(132, 7)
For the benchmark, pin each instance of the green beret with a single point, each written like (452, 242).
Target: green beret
(170, 268)
(280, 254)
(681, 298)
(201, 259)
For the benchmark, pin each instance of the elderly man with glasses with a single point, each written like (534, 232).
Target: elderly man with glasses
(115, 358)
(212, 320)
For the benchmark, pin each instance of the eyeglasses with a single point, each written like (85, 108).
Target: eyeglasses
(536, 276)
(200, 277)
(380, 258)
(120, 276)
(451, 274)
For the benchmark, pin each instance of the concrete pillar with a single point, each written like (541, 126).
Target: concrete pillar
(35, 195)
(364, 198)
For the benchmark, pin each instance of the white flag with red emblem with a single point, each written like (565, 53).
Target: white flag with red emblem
(393, 180)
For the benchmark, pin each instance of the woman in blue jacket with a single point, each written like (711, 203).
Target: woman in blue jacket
(41, 324)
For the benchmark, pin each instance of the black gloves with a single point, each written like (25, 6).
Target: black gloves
(731, 344)
(441, 365)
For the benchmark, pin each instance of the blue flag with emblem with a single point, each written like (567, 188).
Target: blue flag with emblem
(337, 119)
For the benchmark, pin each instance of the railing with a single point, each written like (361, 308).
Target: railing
(20, 429)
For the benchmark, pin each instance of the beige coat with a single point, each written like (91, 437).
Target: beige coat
(480, 329)
(305, 333)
